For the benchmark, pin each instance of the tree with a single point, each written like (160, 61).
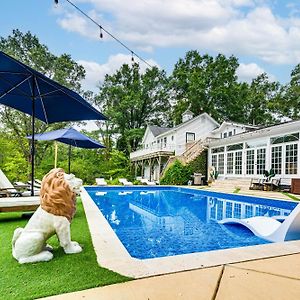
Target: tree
(131, 100)
(27, 48)
(288, 103)
(205, 84)
(259, 100)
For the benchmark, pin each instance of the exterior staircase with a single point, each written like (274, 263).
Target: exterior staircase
(188, 155)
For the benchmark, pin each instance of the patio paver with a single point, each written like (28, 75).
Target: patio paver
(248, 285)
(198, 284)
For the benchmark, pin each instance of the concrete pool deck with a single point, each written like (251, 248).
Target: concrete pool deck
(277, 277)
(271, 278)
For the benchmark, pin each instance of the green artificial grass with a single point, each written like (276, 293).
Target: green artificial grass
(64, 273)
(291, 196)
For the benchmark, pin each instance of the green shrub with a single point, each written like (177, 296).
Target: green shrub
(199, 165)
(177, 174)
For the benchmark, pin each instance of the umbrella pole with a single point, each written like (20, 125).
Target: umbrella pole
(69, 159)
(32, 136)
(55, 154)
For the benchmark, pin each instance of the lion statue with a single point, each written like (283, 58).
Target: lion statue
(54, 216)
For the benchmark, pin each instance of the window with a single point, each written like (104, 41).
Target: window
(234, 131)
(172, 138)
(285, 138)
(165, 141)
(221, 163)
(291, 156)
(230, 133)
(250, 162)
(214, 161)
(261, 161)
(216, 150)
(190, 137)
(225, 135)
(230, 163)
(234, 147)
(276, 159)
(238, 162)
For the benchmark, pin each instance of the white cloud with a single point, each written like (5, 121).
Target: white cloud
(95, 72)
(247, 72)
(218, 25)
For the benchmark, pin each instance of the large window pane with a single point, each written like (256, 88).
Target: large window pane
(250, 162)
(238, 162)
(221, 163)
(230, 163)
(214, 161)
(261, 161)
(276, 159)
(291, 156)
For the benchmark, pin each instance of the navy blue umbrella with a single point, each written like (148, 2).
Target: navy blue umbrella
(69, 136)
(31, 92)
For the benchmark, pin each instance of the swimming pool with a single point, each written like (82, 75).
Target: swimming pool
(153, 222)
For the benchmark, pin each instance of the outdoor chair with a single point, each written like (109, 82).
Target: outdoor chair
(14, 204)
(36, 183)
(272, 184)
(147, 182)
(125, 182)
(256, 184)
(101, 181)
(17, 190)
(269, 228)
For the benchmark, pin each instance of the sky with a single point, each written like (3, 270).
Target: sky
(264, 35)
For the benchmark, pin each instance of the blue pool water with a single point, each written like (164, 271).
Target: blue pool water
(164, 221)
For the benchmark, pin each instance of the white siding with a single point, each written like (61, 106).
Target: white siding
(202, 127)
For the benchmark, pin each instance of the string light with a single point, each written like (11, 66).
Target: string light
(101, 34)
(108, 33)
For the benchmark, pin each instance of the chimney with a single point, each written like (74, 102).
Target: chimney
(187, 115)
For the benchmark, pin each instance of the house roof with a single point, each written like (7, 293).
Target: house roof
(261, 131)
(190, 121)
(156, 130)
(225, 123)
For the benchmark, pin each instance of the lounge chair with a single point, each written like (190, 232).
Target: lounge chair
(19, 189)
(19, 204)
(272, 184)
(271, 229)
(147, 182)
(36, 183)
(124, 181)
(257, 183)
(101, 181)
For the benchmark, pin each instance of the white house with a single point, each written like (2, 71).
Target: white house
(235, 150)
(248, 154)
(161, 143)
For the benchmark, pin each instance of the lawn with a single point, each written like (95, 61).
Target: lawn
(65, 273)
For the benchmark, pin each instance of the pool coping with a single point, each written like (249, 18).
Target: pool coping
(113, 255)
